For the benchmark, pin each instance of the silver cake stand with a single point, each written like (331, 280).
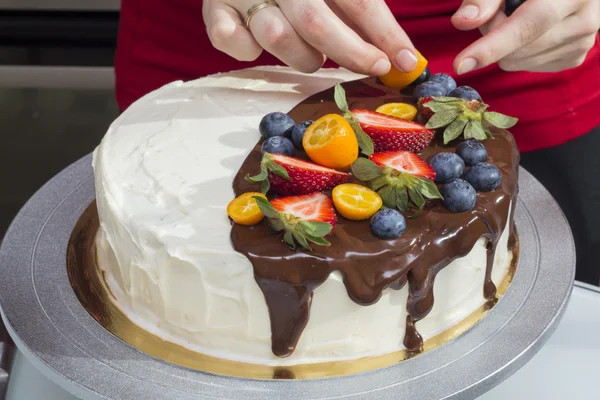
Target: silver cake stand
(56, 333)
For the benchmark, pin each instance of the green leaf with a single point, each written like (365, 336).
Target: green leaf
(318, 240)
(474, 130)
(339, 96)
(401, 199)
(442, 118)
(416, 198)
(266, 207)
(455, 129)
(388, 196)
(429, 189)
(487, 131)
(277, 224)
(436, 106)
(378, 183)
(302, 240)
(364, 141)
(265, 186)
(259, 177)
(365, 169)
(318, 229)
(288, 238)
(278, 170)
(500, 120)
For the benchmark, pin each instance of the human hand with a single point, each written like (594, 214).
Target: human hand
(304, 33)
(541, 35)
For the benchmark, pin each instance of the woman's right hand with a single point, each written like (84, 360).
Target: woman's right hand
(360, 35)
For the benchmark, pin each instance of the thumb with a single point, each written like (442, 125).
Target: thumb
(474, 13)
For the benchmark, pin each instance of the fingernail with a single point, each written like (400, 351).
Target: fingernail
(468, 12)
(467, 65)
(406, 60)
(381, 67)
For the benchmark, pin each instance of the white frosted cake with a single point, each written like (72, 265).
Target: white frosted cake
(165, 174)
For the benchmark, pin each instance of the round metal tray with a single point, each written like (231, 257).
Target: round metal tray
(56, 333)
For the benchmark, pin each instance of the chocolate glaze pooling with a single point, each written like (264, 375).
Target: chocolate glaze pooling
(370, 265)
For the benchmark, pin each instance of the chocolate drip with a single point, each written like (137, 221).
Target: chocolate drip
(412, 339)
(370, 265)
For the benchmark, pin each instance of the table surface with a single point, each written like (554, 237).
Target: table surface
(567, 366)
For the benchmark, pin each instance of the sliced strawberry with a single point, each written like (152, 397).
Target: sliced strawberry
(391, 133)
(404, 161)
(302, 219)
(315, 207)
(425, 112)
(292, 176)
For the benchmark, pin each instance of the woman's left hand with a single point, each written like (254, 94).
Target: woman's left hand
(541, 35)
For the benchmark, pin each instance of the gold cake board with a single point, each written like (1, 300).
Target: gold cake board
(88, 282)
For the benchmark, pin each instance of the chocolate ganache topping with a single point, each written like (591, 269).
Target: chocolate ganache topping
(368, 264)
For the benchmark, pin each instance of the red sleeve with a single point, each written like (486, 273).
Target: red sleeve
(165, 40)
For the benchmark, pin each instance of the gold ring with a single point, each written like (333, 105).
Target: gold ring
(256, 8)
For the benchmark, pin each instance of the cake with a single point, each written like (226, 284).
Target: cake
(180, 268)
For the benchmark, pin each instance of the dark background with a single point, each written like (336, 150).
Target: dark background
(56, 90)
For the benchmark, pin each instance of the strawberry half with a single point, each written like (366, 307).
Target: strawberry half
(315, 207)
(425, 112)
(391, 133)
(302, 219)
(398, 176)
(404, 161)
(292, 176)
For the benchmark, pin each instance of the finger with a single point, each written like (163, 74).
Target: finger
(560, 65)
(575, 33)
(320, 27)
(496, 20)
(227, 33)
(386, 34)
(275, 34)
(529, 22)
(474, 13)
(570, 51)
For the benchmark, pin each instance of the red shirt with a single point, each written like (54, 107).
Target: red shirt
(165, 40)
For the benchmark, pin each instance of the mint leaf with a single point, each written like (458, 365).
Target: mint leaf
(365, 169)
(500, 120)
(339, 96)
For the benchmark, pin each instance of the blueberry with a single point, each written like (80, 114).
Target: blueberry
(472, 151)
(275, 124)
(428, 89)
(459, 196)
(447, 167)
(278, 144)
(465, 92)
(423, 77)
(298, 133)
(445, 80)
(484, 177)
(388, 224)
